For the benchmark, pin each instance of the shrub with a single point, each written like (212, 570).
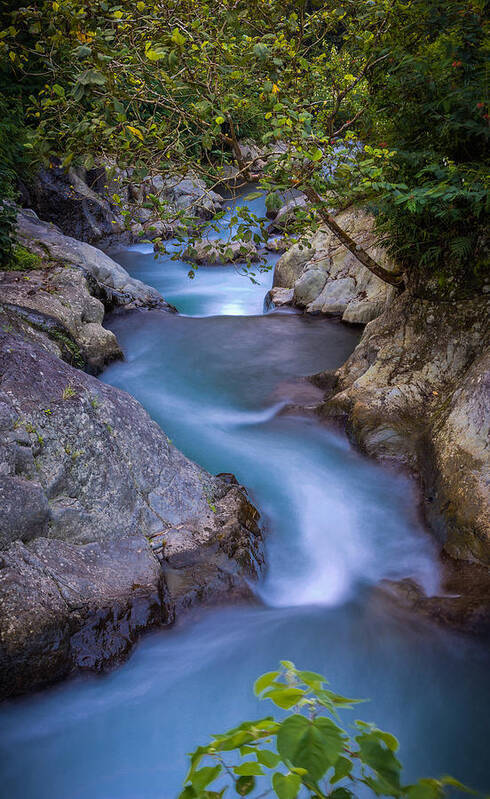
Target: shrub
(307, 751)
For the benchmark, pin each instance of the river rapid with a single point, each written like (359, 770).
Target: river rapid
(216, 378)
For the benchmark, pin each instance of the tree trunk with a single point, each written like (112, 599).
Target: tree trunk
(393, 278)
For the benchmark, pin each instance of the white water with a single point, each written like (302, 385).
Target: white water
(215, 379)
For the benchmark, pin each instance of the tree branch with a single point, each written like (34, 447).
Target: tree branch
(393, 278)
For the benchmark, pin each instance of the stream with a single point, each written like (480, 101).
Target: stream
(216, 377)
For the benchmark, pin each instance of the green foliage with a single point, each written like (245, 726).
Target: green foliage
(308, 751)
(435, 100)
(382, 102)
(10, 158)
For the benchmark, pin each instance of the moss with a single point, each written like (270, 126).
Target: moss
(22, 260)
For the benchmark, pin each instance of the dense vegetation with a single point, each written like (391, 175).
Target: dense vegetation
(395, 92)
(306, 753)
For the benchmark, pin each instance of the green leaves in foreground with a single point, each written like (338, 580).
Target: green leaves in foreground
(307, 751)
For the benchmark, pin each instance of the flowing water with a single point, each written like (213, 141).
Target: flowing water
(216, 378)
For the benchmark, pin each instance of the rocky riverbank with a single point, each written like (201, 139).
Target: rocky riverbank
(106, 529)
(414, 393)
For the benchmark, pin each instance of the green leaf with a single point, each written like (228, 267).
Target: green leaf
(285, 698)
(82, 51)
(244, 785)
(425, 789)
(286, 786)
(261, 51)
(311, 744)
(254, 195)
(204, 776)
(268, 758)
(330, 699)
(316, 154)
(266, 679)
(155, 53)
(341, 793)
(251, 769)
(375, 754)
(311, 678)
(91, 77)
(343, 768)
(177, 37)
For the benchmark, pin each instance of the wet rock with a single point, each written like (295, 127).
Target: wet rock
(422, 401)
(463, 604)
(94, 515)
(65, 607)
(279, 296)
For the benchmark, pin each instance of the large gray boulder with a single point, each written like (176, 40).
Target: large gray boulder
(286, 216)
(309, 286)
(97, 511)
(67, 606)
(63, 197)
(334, 297)
(49, 242)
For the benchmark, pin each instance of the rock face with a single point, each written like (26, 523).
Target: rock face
(207, 251)
(65, 199)
(58, 302)
(328, 279)
(97, 512)
(108, 204)
(105, 528)
(415, 391)
(119, 288)
(66, 606)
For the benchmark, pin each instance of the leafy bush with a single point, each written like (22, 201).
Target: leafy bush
(176, 88)
(434, 96)
(12, 161)
(308, 753)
